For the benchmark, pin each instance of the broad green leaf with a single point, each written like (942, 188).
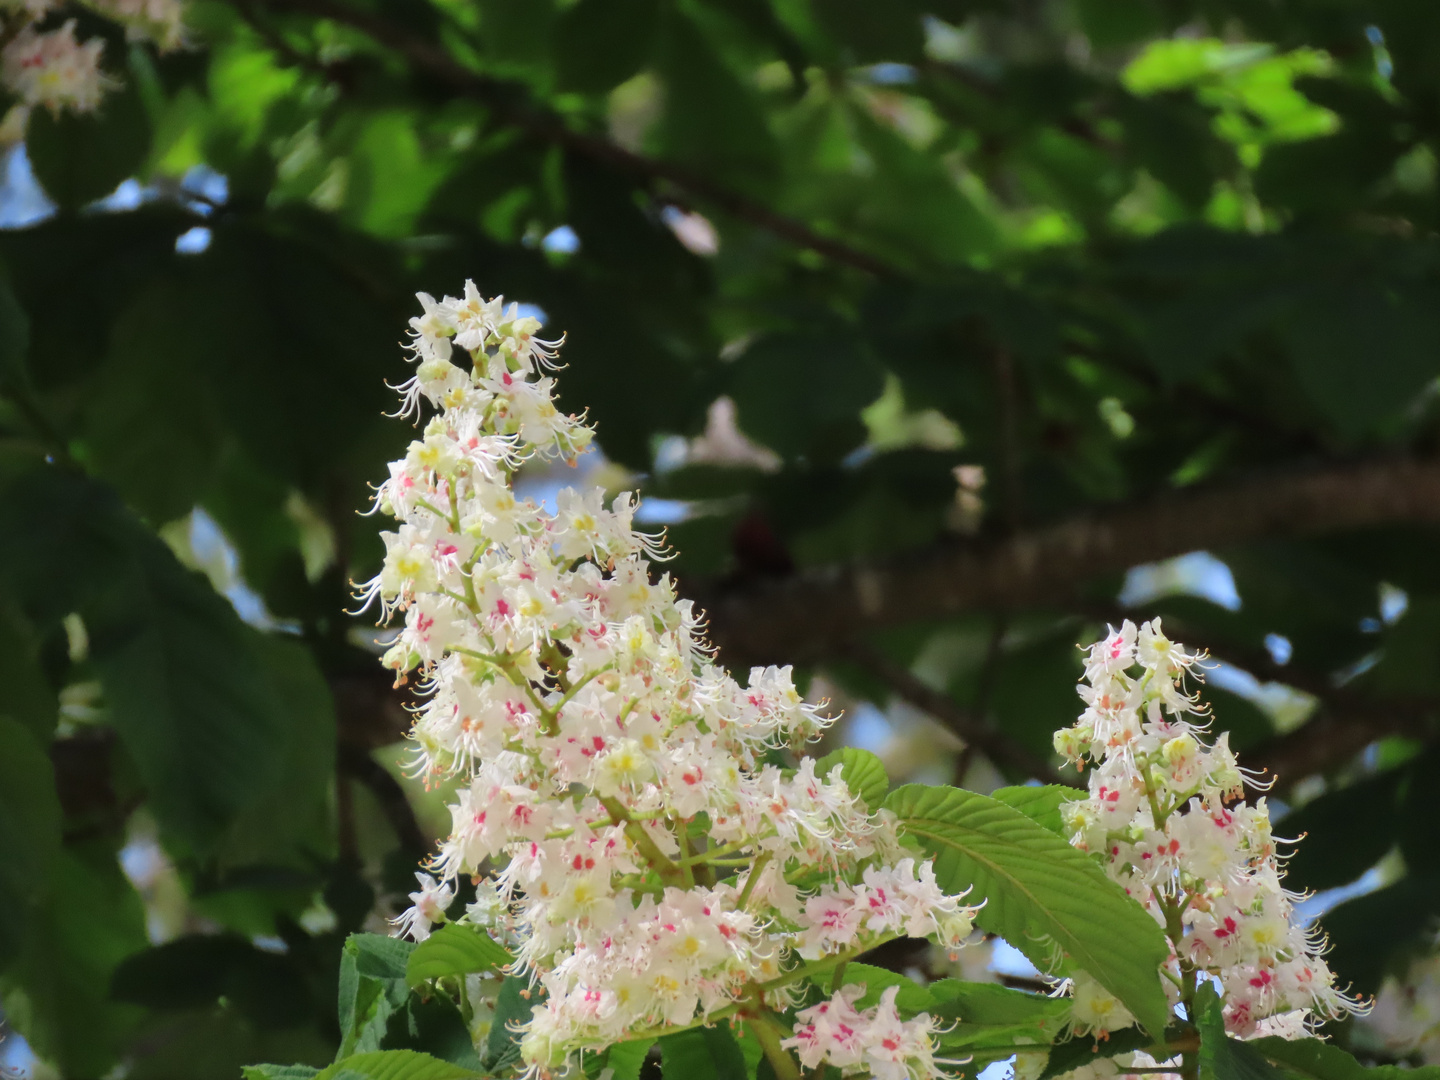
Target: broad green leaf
(991, 1005)
(394, 1065)
(433, 1026)
(278, 1072)
(1221, 1057)
(14, 339)
(1047, 899)
(57, 992)
(978, 1017)
(29, 832)
(706, 1053)
(372, 989)
(80, 158)
(912, 998)
(380, 956)
(1317, 1059)
(1040, 803)
(455, 950)
(29, 696)
(184, 684)
(626, 1059)
(512, 1008)
(1071, 1054)
(864, 774)
(1363, 351)
(600, 43)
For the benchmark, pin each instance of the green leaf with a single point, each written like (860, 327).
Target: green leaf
(513, 1006)
(14, 339)
(1071, 1054)
(81, 158)
(192, 972)
(394, 1065)
(864, 774)
(1221, 1057)
(912, 998)
(29, 832)
(278, 1072)
(706, 1053)
(29, 697)
(601, 43)
(988, 1004)
(186, 690)
(1047, 899)
(380, 956)
(1040, 803)
(455, 950)
(185, 685)
(1347, 832)
(1316, 1059)
(372, 989)
(1363, 350)
(626, 1059)
(980, 1017)
(56, 994)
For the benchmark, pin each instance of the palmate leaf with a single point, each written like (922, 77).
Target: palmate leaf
(1040, 894)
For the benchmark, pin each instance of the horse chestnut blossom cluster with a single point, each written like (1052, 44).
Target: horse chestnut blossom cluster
(1166, 815)
(874, 1041)
(635, 837)
(46, 65)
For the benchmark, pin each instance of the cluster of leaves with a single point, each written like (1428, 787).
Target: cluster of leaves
(1122, 247)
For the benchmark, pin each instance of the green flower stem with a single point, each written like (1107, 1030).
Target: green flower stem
(769, 1034)
(754, 877)
(642, 840)
(819, 967)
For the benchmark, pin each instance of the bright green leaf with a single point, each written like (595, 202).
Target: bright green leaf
(1049, 900)
(455, 950)
(864, 774)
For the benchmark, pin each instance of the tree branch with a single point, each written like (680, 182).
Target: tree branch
(1344, 725)
(815, 614)
(972, 728)
(512, 103)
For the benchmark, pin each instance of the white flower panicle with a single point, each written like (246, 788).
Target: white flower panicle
(53, 70)
(634, 839)
(874, 1041)
(1166, 815)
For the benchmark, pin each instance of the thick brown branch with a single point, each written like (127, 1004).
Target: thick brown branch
(804, 618)
(973, 729)
(511, 103)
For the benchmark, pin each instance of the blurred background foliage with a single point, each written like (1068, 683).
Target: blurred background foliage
(938, 332)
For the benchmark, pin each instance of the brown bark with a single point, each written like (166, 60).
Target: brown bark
(814, 614)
